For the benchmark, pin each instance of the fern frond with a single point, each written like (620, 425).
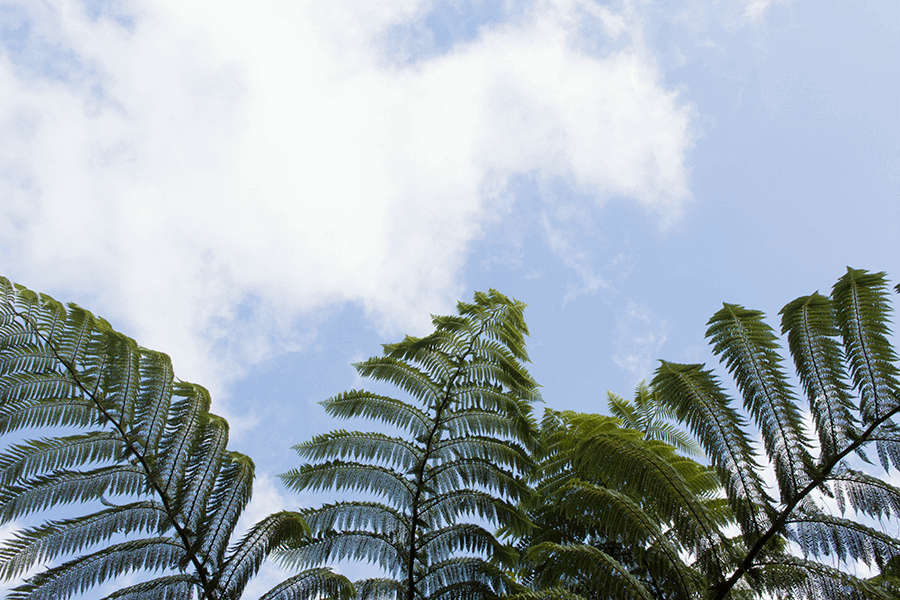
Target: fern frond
(863, 314)
(699, 401)
(203, 469)
(148, 439)
(379, 588)
(170, 587)
(819, 534)
(405, 376)
(183, 434)
(314, 584)
(749, 348)
(460, 576)
(503, 453)
(370, 516)
(790, 576)
(47, 412)
(599, 573)
(65, 487)
(246, 557)
(154, 399)
(809, 324)
(358, 545)
(469, 429)
(59, 538)
(85, 572)
(229, 497)
(51, 454)
(435, 545)
(865, 494)
(342, 475)
(360, 403)
(358, 445)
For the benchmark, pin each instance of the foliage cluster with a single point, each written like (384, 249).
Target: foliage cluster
(462, 493)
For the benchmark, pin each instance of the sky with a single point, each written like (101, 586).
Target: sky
(267, 192)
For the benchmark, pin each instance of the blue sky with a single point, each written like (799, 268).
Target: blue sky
(268, 194)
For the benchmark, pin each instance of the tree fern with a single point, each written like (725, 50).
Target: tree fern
(848, 371)
(461, 451)
(617, 514)
(162, 492)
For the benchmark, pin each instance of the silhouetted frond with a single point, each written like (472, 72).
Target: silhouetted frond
(469, 425)
(148, 450)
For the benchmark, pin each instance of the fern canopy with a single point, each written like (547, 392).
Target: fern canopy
(455, 462)
(847, 370)
(149, 465)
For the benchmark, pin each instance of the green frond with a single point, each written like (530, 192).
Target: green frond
(812, 339)
(120, 386)
(405, 376)
(550, 593)
(231, 494)
(865, 494)
(466, 454)
(32, 387)
(750, 351)
(699, 401)
(314, 584)
(245, 558)
(154, 398)
(819, 534)
(434, 546)
(184, 432)
(475, 472)
(360, 403)
(649, 471)
(503, 453)
(358, 545)
(862, 313)
(449, 507)
(458, 576)
(203, 469)
(85, 572)
(647, 415)
(47, 412)
(790, 576)
(379, 588)
(66, 487)
(358, 445)
(622, 519)
(599, 574)
(340, 475)
(53, 539)
(51, 454)
(170, 587)
(476, 421)
(143, 438)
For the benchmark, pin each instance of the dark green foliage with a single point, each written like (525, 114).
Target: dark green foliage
(461, 454)
(848, 370)
(617, 514)
(160, 492)
(650, 416)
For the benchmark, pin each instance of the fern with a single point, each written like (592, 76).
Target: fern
(462, 452)
(848, 370)
(616, 513)
(145, 440)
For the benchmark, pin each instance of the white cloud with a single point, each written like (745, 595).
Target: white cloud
(208, 173)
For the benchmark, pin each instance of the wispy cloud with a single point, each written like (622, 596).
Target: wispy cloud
(203, 174)
(640, 336)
